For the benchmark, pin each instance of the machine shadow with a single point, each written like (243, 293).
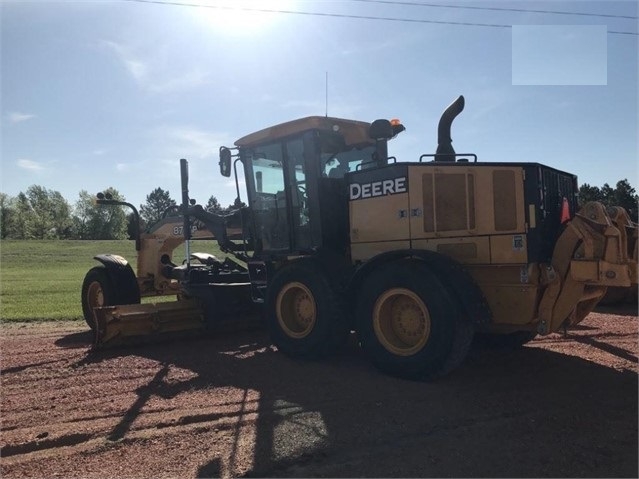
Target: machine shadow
(623, 309)
(82, 339)
(558, 415)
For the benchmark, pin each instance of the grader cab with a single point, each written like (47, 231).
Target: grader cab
(416, 257)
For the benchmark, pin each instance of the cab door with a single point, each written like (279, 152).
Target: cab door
(300, 189)
(266, 186)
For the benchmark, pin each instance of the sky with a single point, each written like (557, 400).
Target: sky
(98, 94)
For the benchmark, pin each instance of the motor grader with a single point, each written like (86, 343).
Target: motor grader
(115, 283)
(414, 256)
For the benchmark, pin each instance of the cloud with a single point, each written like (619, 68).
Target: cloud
(137, 69)
(193, 142)
(230, 183)
(17, 117)
(30, 165)
(191, 79)
(151, 76)
(134, 66)
(122, 166)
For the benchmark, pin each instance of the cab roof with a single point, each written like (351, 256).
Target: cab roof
(354, 132)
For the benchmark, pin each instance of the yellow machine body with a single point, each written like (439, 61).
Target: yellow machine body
(477, 215)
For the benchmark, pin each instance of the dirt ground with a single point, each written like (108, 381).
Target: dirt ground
(232, 406)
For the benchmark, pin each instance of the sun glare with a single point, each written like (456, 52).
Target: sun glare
(241, 17)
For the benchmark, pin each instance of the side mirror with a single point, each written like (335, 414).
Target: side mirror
(225, 161)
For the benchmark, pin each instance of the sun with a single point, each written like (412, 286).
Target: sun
(241, 16)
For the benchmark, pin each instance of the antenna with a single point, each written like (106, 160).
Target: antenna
(326, 100)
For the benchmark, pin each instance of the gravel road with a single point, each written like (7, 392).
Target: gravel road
(228, 406)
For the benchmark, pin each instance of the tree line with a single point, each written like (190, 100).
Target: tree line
(622, 195)
(40, 213)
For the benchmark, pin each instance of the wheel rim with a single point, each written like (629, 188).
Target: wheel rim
(95, 296)
(401, 321)
(296, 310)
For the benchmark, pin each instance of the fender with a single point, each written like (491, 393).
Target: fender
(451, 273)
(338, 271)
(119, 270)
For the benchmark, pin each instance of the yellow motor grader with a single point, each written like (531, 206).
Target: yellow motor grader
(414, 256)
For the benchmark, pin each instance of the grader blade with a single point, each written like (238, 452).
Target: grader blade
(133, 323)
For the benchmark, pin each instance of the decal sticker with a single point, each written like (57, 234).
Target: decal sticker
(518, 242)
(177, 230)
(523, 274)
(378, 188)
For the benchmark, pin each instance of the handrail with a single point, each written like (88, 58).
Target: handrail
(435, 155)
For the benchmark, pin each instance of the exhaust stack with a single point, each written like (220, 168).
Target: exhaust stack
(445, 150)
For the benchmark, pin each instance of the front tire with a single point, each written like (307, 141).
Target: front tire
(97, 291)
(408, 323)
(304, 314)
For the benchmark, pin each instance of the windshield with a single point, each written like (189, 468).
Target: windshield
(267, 196)
(268, 175)
(336, 165)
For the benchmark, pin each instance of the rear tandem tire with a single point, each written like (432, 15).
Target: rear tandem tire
(409, 324)
(97, 290)
(305, 316)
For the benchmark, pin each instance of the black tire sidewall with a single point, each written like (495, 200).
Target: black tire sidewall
(442, 311)
(328, 329)
(100, 275)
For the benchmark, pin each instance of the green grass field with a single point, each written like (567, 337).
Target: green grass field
(42, 280)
